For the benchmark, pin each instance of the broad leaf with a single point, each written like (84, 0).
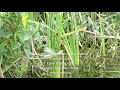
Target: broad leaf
(50, 51)
(27, 52)
(27, 49)
(17, 45)
(5, 34)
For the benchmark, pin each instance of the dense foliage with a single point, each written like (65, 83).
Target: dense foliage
(59, 44)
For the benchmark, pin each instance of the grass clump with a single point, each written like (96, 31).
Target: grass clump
(59, 44)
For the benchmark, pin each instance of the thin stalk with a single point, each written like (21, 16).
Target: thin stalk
(103, 39)
(76, 43)
(57, 63)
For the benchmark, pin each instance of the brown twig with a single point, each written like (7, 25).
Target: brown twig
(34, 51)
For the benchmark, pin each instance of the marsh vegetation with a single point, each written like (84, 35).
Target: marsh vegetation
(59, 44)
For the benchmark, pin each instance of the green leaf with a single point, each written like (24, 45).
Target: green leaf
(50, 51)
(20, 36)
(2, 48)
(37, 29)
(37, 37)
(27, 45)
(27, 49)
(3, 14)
(1, 57)
(26, 37)
(17, 45)
(27, 52)
(5, 34)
